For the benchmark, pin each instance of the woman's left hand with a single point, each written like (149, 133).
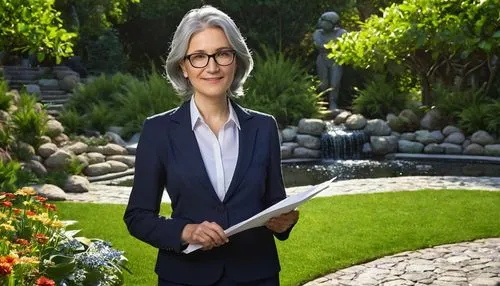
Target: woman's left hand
(283, 222)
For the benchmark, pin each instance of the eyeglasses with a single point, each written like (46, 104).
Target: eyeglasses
(222, 58)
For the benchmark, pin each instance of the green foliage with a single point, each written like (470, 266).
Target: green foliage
(452, 102)
(105, 54)
(5, 99)
(380, 98)
(492, 112)
(8, 178)
(143, 99)
(100, 116)
(5, 136)
(73, 122)
(75, 167)
(57, 178)
(281, 87)
(473, 118)
(33, 27)
(29, 123)
(447, 42)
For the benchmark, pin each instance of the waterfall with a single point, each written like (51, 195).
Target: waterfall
(339, 143)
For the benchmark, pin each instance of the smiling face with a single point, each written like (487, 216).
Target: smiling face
(213, 80)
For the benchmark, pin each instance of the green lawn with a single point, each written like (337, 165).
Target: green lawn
(332, 233)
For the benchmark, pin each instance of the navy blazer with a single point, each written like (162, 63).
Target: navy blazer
(168, 156)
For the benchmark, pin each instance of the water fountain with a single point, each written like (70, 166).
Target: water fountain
(339, 143)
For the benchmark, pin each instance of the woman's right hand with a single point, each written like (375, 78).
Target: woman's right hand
(208, 234)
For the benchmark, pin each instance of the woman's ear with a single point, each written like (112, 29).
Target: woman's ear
(183, 68)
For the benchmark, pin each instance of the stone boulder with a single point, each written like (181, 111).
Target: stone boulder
(51, 192)
(126, 159)
(311, 126)
(405, 146)
(451, 129)
(355, 122)
(450, 148)
(54, 128)
(308, 141)
(302, 152)
(117, 167)
(432, 120)
(474, 149)
(98, 169)
(342, 117)
(455, 138)
(492, 150)
(59, 160)
(77, 148)
(433, 148)
(35, 167)
(482, 137)
(289, 133)
(77, 184)
(377, 127)
(382, 145)
(113, 149)
(95, 158)
(409, 120)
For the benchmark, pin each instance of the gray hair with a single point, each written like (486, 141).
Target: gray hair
(193, 22)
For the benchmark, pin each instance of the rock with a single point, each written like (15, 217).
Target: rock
(302, 152)
(355, 122)
(95, 149)
(35, 167)
(433, 148)
(54, 128)
(409, 119)
(382, 145)
(405, 146)
(451, 148)
(432, 120)
(474, 149)
(408, 136)
(59, 160)
(395, 122)
(132, 149)
(377, 127)
(289, 133)
(466, 143)
(308, 141)
(77, 184)
(426, 137)
(97, 169)
(291, 144)
(115, 138)
(23, 150)
(286, 152)
(47, 149)
(113, 149)
(61, 139)
(342, 117)
(438, 135)
(117, 167)
(451, 129)
(48, 84)
(45, 139)
(95, 158)
(69, 82)
(51, 192)
(126, 159)
(482, 137)
(336, 112)
(396, 134)
(62, 73)
(311, 126)
(492, 150)
(455, 138)
(4, 116)
(84, 161)
(77, 148)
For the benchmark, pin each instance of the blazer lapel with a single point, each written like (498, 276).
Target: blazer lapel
(185, 144)
(247, 136)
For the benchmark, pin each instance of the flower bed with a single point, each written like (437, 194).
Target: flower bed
(36, 248)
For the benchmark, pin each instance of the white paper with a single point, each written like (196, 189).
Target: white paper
(260, 219)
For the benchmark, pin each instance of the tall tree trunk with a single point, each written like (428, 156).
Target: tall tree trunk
(426, 90)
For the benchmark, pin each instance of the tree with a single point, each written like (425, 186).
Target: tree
(454, 43)
(33, 27)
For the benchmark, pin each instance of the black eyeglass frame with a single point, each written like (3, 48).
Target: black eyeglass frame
(188, 57)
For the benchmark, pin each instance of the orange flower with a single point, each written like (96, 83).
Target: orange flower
(5, 269)
(16, 210)
(30, 213)
(41, 238)
(51, 207)
(7, 204)
(41, 199)
(44, 281)
(22, 241)
(9, 195)
(10, 259)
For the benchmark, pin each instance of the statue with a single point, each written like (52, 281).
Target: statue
(329, 72)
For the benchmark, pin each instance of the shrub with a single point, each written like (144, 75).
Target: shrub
(143, 99)
(8, 178)
(73, 122)
(492, 112)
(100, 117)
(452, 102)
(36, 249)
(474, 117)
(28, 123)
(380, 98)
(105, 54)
(281, 87)
(5, 99)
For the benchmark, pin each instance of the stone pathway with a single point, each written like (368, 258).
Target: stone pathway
(474, 263)
(102, 193)
(471, 263)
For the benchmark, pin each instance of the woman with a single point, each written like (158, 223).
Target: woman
(220, 164)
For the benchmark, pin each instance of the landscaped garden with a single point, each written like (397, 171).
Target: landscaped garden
(78, 78)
